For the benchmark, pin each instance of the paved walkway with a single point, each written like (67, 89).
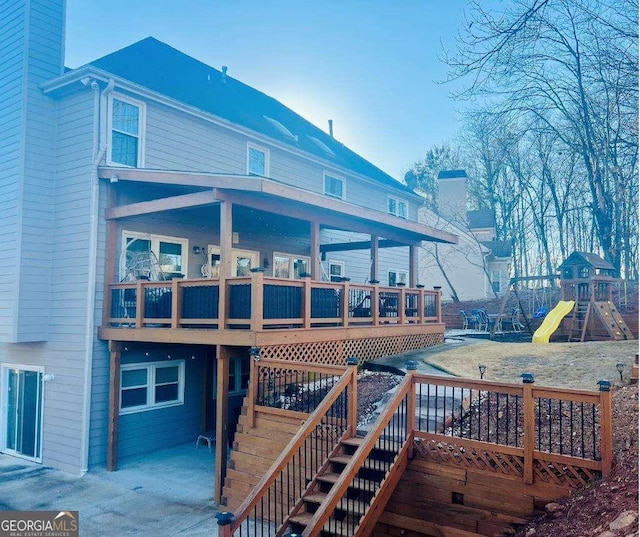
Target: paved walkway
(164, 494)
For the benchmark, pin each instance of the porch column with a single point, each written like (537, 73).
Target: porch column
(222, 420)
(114, 406)
(226, 239)
(374, 257)
(413, 255)
(315, 250)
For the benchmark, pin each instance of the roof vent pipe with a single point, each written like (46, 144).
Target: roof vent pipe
(224, 74)
(331, 128)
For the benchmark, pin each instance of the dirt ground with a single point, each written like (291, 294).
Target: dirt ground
(569, 365)
(609, 507)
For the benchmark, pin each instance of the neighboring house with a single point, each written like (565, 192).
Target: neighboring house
(479, 265)
(137, 193)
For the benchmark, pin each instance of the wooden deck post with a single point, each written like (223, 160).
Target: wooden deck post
(374, 257)
(257, 299)
(222, 420)
(254, 353)
(606, 427)
(315, 249)
(412, 367)
(352, 410)
(114, 406)
(306, 300)
(413, 264)
(529, 426)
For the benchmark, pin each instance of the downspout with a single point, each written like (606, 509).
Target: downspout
(99, 150)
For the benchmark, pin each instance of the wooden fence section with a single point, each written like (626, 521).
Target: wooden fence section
(257, 302)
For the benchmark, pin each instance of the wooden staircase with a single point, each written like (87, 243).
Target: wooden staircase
(366, 494)
(579, 321)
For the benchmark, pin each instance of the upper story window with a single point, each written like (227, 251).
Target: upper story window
(397, 207)
(290, 266)
(257, 161)
(336, 270)
(398, 277)
(126, 131)
(333, 186)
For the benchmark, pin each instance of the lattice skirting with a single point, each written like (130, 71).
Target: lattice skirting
(336, 352)
(450, 453)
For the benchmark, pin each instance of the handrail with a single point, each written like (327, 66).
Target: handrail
(348, 380)
(339, 488)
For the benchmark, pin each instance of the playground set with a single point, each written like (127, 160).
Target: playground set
(585, 310)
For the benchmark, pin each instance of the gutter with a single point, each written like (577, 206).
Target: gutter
(99, 150)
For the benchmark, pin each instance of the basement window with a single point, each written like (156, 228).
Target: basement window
(148, 386)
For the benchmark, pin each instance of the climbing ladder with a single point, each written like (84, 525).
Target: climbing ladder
(579, 321)
(612, 320)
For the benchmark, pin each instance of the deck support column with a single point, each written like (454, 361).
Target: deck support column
(374, 258)
(114, 406)
(315, 250)
(413, 254)
(222, 419)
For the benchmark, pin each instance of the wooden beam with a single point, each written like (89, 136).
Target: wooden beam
(182, 201)
(222, 419)
(114, 406)
(413, 265)
(226, 240)
(315, 249)
(359, 245)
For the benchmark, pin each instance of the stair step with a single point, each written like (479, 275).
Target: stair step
(381, 445)
(304, 519)
(345, 504)
(369, 464)
(358, 483)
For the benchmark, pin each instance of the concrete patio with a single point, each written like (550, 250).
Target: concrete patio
(165, 493)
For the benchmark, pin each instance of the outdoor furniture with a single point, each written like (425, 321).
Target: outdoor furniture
(480, 320)
(465, 320)
(209, 437)
(515, 320)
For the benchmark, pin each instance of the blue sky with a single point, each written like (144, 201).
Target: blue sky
(371, 66)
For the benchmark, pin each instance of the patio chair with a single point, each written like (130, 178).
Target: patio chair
(515, 320)
(208, 437)
(465, 320)
(481, 319)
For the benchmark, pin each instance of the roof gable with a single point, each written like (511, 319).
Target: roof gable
(586, 258)
(164, 69)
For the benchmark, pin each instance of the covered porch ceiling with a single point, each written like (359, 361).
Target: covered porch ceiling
(271, 196)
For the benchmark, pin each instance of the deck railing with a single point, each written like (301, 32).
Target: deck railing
(498, 428)
(258, 302)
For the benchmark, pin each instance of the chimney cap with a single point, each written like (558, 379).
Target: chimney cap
(452, 174)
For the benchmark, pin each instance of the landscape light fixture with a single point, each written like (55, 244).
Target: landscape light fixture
(620, 368)
(482, 368)
(254, 352)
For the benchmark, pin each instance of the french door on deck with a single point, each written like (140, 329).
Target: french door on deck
(22, 412)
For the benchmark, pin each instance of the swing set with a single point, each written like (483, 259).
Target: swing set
(527, 302)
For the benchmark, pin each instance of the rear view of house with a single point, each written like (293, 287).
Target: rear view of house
(160, 220)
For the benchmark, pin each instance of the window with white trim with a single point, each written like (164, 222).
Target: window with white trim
(152, 385)
(257, 160)
(398, 277)
(153, 257)
(126, 131)
(333, 186)
(336, 271)
(397, 207)
(290, 266)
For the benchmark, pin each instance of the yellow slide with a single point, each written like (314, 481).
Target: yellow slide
(552, 321)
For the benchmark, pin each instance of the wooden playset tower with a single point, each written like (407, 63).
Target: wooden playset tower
(588, 279)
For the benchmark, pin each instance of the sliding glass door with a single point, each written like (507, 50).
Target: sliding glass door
(22, 412)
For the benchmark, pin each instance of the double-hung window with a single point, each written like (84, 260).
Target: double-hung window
(126, 129)
(397, 207)
(147, 386)
(336, 271)
(257, 161)
(333, 186)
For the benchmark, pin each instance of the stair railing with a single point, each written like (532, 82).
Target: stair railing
(393, 432)
(279, 491)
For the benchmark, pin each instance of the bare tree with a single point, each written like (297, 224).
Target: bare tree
(571, 67)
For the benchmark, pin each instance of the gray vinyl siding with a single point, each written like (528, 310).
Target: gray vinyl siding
(141, 432)
(12, 27)
(174, 140)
